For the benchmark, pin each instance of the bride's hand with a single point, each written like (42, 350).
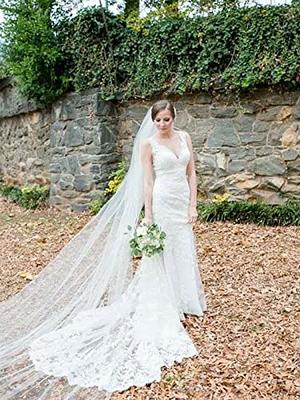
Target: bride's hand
(147, 220)
(193, 215)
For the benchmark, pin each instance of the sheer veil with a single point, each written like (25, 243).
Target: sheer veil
(91, 271)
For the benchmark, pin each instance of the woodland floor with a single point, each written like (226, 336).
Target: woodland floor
(248, 339)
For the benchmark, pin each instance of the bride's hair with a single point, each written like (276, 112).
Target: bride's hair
(162, 105)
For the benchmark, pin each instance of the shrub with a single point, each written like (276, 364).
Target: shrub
(115, 180)
(251, 212)
(28, 196)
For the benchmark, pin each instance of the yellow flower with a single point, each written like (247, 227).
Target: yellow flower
(220, 198)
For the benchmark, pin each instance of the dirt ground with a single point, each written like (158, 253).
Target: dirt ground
(248, 340)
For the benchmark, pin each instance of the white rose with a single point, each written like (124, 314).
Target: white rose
(141, 231)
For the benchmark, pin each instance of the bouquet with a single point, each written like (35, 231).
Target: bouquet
(146, 240)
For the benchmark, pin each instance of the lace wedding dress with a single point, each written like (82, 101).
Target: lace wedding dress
(128, 341)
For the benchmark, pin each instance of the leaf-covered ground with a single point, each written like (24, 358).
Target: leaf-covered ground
(248, 340)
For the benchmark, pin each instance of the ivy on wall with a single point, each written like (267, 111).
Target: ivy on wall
(236, 49)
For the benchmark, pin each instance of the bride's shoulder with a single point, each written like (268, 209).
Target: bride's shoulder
(146, 146)
(184, 134)
(146, 142)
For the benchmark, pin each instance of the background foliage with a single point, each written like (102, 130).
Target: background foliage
(28, 196)
(167, 52)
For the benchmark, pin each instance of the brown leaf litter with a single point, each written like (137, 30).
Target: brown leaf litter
(248, 339)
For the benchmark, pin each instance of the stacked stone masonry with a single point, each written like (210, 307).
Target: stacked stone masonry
(248, 148)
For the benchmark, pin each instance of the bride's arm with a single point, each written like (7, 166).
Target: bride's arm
(192, 179)
(146, 158)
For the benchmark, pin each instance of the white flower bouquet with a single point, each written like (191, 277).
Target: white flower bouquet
(146, 240)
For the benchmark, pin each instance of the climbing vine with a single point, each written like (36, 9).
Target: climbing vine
(233, 50)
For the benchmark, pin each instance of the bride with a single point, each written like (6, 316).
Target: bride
(87, 325)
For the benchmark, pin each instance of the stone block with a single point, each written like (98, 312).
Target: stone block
(294, 166)
(70, 194)
(263, 151)
(289, 154)
(207, 163)
(54, 168)
(79, 207)
(253, 138)
(248, 184)
(291, 136)
(242, 153)
(182, 120)
(261, 126)
(198, 111)
(281, 99)
(272, 183)
(221, 160)
(244, 123)
(54, 178)
(136, 112)
(268, 165)
(92, 149)
(296, 111)
(291, 191)
(223, 135)
(250, 108)
(270, 114)
(276, 132)
(73, 136)
(66, 182)
(88, 137)
(95, 169)
(83, 183)
(105, 108)
(236, 166)
(217, 111)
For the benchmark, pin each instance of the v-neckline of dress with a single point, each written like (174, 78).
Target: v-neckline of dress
(170, 150)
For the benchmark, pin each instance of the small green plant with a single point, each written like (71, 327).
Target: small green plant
(115, 180)
(96, 204)
(33, 196)
(28, 196)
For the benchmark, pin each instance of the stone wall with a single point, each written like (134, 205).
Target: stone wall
(24, 138)
(73, 146)
(250, 149)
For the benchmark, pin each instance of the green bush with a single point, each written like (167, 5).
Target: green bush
(31, 52)
(96, 204)
(234, 50)
(251, 212)
(28, 196)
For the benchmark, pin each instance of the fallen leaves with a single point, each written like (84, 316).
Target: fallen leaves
(248, 339)
(26, 275)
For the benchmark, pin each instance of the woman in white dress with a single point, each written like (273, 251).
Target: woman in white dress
(88, 321)
(170, 201)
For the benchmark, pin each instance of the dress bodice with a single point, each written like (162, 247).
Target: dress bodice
(166, 162)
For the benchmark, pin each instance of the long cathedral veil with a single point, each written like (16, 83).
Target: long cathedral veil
(91, 271)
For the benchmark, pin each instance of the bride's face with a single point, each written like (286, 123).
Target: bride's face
(163, 121)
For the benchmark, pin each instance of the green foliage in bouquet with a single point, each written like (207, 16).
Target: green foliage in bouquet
(146, 240)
